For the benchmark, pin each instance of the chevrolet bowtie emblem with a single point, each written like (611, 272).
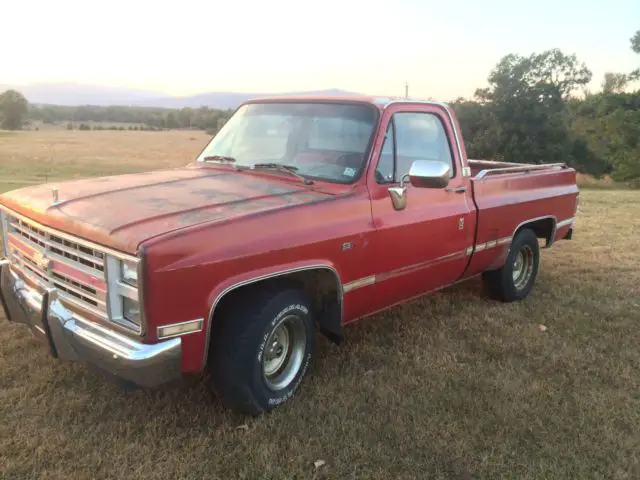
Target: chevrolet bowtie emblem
(41, 261)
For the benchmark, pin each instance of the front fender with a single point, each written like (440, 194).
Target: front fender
(257, 275)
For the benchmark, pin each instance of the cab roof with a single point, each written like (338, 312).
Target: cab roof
(378, 101)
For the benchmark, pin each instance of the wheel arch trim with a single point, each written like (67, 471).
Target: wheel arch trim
(259, 278)
(554, 227)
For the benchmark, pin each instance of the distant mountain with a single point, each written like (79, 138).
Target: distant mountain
(226, 100)
(70, 94)
(77, 94)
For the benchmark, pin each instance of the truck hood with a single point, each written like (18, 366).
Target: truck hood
(123, 211)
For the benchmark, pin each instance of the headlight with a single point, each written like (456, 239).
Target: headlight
(131, 310)
(129, 273)
(123, 293)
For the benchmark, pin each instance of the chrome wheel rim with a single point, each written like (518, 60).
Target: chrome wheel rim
(522, 267)
(284, 352)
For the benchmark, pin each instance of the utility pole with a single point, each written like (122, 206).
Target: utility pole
(406, 90)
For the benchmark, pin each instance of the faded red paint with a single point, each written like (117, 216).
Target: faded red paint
(204, 228)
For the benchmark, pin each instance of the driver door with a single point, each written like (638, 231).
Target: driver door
(423, 246)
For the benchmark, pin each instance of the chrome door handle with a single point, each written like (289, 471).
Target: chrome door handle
(461, 189)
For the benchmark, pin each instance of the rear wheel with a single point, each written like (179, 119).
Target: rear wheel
(261, 349)
(515, 280)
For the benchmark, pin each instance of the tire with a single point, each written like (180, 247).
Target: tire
(515, 280)
(250, 339)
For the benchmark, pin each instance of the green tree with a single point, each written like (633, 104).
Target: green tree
(614, 82)
(13, 110)
(522, 115)
(610, 124)
(171, 121)
(635, 46)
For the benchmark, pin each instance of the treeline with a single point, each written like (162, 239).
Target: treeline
(99, 126)
(203, 118)
(537, 109)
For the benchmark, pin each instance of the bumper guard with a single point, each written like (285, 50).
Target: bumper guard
(69, 336)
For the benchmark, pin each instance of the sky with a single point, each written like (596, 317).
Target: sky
(442, 49)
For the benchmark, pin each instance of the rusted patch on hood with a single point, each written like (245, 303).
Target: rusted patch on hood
(123, 211)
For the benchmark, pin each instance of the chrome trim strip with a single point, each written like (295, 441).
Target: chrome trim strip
(4, 230)
(372, 279)
(564, 223)
(4, 263)
(83, 306)
(362, 282)
(480, 247)
(266, 277)
(524, 168)
(196, 321)
(141, 269)
(71, 238)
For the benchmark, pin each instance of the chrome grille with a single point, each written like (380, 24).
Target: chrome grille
(77, 253)
(72, 251)
(62, 251)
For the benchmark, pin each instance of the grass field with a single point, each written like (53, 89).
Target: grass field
(45, 156)
(450, 386)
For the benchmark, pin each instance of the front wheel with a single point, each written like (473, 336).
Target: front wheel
(261, 349)
(515, 280)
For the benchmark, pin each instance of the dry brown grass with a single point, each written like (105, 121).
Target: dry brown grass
(36, 157)
(587, 181)
(450, 386)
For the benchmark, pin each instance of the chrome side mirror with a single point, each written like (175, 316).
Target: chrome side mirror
(422, 174)
(429, 174)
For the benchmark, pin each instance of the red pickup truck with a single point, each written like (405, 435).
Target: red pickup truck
(301, 214)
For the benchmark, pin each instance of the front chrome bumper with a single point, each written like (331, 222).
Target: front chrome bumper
(71, 337)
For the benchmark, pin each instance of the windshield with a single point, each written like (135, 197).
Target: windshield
(325, 141)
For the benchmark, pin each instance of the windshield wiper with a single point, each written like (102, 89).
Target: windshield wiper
(219, 158)
(292, 169)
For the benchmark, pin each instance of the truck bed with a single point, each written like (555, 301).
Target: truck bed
(508, 195)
